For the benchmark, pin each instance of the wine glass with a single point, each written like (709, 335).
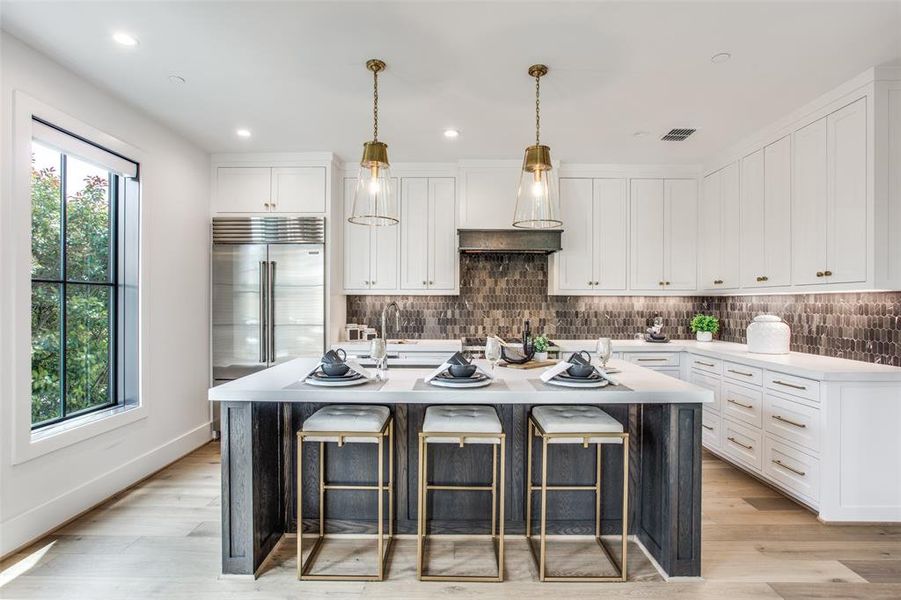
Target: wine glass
(604, 350)
(379, 352)
(493, 351)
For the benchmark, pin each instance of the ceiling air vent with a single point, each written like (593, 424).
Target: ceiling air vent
(677, 135)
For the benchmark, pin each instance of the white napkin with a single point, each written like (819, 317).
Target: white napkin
(552, 372)
(604, 374)
(483, 371)
(436, 372)
(357, 367)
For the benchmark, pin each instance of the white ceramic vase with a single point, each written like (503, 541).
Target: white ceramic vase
(768, 334)
(704, 336)
(541, 356)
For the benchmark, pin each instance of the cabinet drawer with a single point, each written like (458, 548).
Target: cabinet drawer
(790, 384)
(742, 443)
(711, 383)
(745, 374)
(742, 404)
(702, 363)
(792, 468)
(653, 359)
(711, 429)
(792, 421)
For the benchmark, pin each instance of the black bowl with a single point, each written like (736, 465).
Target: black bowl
(462, 370)
(580, 371)
(335, 369)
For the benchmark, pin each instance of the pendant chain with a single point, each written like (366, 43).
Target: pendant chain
(537, 110)
(375, 106)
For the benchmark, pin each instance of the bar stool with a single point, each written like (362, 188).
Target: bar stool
(575, 425)
(347, 424)
(462, 424)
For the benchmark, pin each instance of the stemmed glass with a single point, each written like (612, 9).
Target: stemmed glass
(493, 351)
(604, 350)
(379, 352)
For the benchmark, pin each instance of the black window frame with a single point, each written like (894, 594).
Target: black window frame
(115, 195)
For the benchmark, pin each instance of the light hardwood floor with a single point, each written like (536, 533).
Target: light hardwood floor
(160, 540)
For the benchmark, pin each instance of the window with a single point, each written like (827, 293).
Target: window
(83, 321)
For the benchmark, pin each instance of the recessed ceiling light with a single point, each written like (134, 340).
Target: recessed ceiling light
(176, 79)
(125, 39)
(720, 57)
(451, 133)
(244, 133)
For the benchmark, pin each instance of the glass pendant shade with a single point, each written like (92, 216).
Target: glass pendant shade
(536, 198)
(374, 200)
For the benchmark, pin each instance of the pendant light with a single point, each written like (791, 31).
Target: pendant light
(374, 202)
(536, 199)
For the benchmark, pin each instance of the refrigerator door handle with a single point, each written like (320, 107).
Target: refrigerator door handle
(271, 294)
(262, 307)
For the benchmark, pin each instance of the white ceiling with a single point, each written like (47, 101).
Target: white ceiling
(293, 72)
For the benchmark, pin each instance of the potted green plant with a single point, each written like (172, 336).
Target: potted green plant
(541, 344)
(704, 326)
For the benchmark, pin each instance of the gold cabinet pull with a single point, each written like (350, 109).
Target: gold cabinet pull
(736, 402)
(791, 385)
(659, 283)
(820, 274)
(827, 273)
(736, 442)
(740, 373)
(763, 278)
(666, 283)
(707, 427)
(650, 359)
(717, 281)
(789, 421)
(597, 283)
(699, 362)
(788, 468)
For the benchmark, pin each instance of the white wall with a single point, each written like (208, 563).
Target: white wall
(38, 494)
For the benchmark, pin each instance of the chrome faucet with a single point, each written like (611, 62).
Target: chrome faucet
(385, 319)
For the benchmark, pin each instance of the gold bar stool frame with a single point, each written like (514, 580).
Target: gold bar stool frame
(445, 428)
(362, 424)
(601, 428)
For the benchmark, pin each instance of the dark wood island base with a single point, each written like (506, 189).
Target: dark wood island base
(259, 484)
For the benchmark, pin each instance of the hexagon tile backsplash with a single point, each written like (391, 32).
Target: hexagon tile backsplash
(498, 292)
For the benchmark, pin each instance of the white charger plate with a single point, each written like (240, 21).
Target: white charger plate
(336, 383)
(581, 384)
(450, 383)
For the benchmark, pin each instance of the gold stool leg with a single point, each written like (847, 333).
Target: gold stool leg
(625, 540)
(500, 559)
(529, 437)
(420, 529)
(543, 538)
(321, 489)
(597, 496)
(381, 496)
(493, 490)
(299, 505)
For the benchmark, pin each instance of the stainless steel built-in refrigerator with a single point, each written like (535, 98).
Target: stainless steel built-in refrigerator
(268, 299)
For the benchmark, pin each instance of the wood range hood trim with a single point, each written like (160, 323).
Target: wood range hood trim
(509, 241)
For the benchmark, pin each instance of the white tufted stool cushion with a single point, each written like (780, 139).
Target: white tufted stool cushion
(462, 419)
(363, 418)
(577, 419)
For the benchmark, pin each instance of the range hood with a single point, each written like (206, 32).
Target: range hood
(509, 241)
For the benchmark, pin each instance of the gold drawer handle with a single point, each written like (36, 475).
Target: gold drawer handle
(698, 362)
(791, 385)
(735, 441)
(651, 359)
(717, 281)
(740, 404)
(788, 468)
(790, 422)
(707, 427)
(741, 373)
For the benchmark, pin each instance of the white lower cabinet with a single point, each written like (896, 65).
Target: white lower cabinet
(743, 443)
(711, 429)
(792, 469)
(742, 404)
(796, 422)
(709, 382)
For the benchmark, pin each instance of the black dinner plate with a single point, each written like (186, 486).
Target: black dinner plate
(446, 376)
(564, 376)
(349, 376)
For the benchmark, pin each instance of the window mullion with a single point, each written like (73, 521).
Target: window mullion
(64, 292)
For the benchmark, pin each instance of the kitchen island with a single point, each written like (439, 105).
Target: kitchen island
(261, 414)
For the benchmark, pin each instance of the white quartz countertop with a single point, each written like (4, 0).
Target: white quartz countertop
(282, 383)
(823, 368)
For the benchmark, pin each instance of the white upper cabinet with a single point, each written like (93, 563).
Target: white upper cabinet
(719, 227)
(595, 217)
(766, 216)
(808, 214)
(243, 189)
(846, 213)
(370, 252)
(680, 234)
(267, 190)
(574, 264)
(647, 237)
(298, 190)
(428, 253)
(488, 196)
(829, 199)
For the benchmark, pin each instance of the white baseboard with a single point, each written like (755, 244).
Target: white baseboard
(44, 518)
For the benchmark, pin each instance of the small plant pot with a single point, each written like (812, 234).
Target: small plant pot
(541, 356)
(704, 336)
